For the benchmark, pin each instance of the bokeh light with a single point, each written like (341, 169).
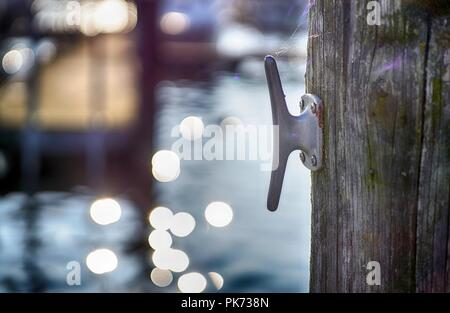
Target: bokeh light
(179, 261)
(192, 283)
(111, 16)
(46, 50)
(191, 128)
(105, 211)
(182, 224)
(159, 239)
(107, 16)
(160, 277)
(239, 40)
(219, 214)
(216, 279)
(161, 218)
(231, 121)
(101, 261)
(174, 23)
(165, 166)
(28, 57)
(162, 258)
(132, 17)
(87, 22)
(170, 259)
(12, 61)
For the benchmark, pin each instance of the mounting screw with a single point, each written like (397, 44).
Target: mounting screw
(313, 160)
(302, 157)
(313, 107)
(302, 104)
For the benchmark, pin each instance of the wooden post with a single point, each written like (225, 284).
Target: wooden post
(385, 190)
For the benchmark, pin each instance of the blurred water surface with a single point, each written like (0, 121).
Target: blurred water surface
(259, 251)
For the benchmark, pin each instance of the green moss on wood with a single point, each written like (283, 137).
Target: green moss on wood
(436, 90)
(392, 36)
(434, 7)
(381, 111)
(436, 107)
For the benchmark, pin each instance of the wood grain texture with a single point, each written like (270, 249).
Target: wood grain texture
(384, 192)
(433, 253)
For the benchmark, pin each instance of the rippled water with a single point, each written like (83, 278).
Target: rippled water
(259, 251)
(38, 239)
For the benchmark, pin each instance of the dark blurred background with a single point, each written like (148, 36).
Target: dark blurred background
(89, 92)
